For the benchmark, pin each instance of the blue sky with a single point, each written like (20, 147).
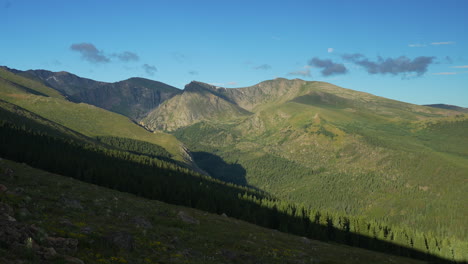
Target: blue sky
(413, 51)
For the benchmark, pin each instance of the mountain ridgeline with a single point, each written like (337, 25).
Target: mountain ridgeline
(309, 158)
(134, 97)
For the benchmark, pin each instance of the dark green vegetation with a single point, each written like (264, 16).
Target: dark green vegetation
(149, 231)
(334, 149)
(338, 165)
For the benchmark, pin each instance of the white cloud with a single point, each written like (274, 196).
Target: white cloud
(443, 43)
(224, 84)
(330, 50)
(445, 73)
(461, 67)
(416, 45)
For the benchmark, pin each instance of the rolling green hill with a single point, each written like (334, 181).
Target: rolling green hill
(335, 149)
(86, 119)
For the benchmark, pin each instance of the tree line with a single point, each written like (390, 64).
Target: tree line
(153, 178)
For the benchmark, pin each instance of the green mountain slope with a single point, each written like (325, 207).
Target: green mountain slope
(86, 119)
(339, 150)
(134, 97)
(99, 225)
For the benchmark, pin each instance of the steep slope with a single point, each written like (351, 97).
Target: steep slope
(86, 119)
(198, 102)
(339, 150)
(86, 222)
(134, 97)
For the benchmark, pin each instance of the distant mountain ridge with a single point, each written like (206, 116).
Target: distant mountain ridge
(134, 97)
(449, 107)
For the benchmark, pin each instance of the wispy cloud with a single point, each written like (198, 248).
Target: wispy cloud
(263, 67)
(416, 45)
(461, 67)
(330, 50)
(395, 66)
(193, 72)
(180, 57)
(149, 69)
(445, 73)
(303, 73)
(90, 53)
(328, 66)
(126, 56)
(443, 43)
(224, 84)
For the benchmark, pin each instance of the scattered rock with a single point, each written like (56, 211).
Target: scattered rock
(229, 254)
(305, 240)
(72, 260)
(66, 222)
(27, 199)
(5, 209)
(14, 234)
(46, 253)
(224, 215)
(187, 218)
(3, 188)
(70, 203)
(86, 230)
(9, 173)
(62, 245)
(122, 240)
(18, 191)
(23, 212)
(142, 222)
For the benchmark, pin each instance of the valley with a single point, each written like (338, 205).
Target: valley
(301, 157)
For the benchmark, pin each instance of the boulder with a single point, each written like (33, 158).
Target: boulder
(142, 222)
(121, 239)
(62, 245)
(185, 217)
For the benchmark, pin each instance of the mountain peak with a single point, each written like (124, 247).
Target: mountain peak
(196, 86)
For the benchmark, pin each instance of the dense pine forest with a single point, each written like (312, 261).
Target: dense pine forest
(139, 171)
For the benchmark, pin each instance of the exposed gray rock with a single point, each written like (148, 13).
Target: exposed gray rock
(5, 209)
(62, 245)
(86, 230)
(142, 222)
(46, 253)
(122, 240)
(72, 260)
(70, 203)
(9, 173)
(18, 191)
(185, 217)
(23, 212)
